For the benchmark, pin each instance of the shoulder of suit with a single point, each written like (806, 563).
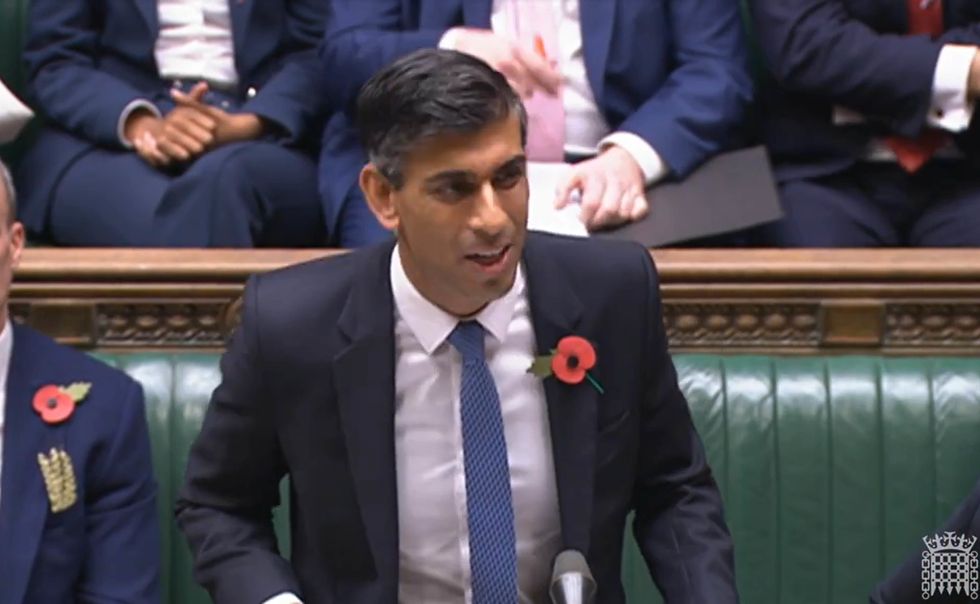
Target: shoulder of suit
(64, 364)
(596, 260)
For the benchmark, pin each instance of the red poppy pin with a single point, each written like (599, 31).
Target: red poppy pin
(55, 404)
(570, 362)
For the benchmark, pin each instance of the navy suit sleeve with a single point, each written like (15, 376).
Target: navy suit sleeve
(64, 81)
(293, 98)
(232, 480)
(122, 552)
(698, 111)
(361, 38)
(904, 584)
(679, 523)
(816, 47)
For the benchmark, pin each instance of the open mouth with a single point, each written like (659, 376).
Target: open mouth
(490, 260)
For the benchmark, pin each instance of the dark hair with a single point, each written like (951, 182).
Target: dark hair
(427, 93)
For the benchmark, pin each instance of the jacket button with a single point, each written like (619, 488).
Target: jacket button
(251, 92)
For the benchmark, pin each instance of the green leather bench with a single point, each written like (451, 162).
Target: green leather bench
(832, 468)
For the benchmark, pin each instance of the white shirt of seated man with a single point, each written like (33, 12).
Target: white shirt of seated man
(6, 346)
(626, 164)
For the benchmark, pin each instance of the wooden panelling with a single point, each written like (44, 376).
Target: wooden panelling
(787, 301)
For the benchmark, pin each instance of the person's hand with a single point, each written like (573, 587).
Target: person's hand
(228, 127)
(524, 69)
(611, 187)
(142, 129)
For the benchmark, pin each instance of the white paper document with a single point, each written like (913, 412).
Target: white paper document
(14, 115)
(543, 179)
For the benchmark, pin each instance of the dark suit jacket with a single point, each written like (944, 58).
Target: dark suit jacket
(308, 388)
(853, 53)
(903, 585)
(673, 72)
(106, 547)
(88, 59)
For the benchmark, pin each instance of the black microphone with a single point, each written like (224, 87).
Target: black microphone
(571, 580)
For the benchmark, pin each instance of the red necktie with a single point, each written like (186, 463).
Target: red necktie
(925, 18)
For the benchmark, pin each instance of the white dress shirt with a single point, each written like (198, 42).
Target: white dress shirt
(194, 43)
(950, 109)
(434, 557)
(586, 130)
(6, 346)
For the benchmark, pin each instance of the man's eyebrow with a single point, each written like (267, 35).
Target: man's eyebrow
(512, 162)
(450, 175)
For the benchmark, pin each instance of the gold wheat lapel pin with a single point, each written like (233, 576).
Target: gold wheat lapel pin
(59, 479)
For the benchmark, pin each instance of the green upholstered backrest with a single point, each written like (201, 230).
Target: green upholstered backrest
(832, 468)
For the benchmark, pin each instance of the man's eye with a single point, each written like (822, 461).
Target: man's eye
(453, 191)
(508, 180)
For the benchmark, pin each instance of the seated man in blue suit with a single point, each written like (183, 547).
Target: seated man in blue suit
(869, 120)
(635, 91)
(428, 462)
(78, 515)
(174, 122)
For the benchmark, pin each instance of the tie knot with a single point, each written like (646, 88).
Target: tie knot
(467, 338)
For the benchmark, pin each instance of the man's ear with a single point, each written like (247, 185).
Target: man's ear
(379, 193)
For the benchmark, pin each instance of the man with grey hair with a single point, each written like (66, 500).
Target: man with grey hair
(10, 195)
(78, 515)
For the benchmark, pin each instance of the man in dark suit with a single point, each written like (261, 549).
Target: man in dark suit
(78, 515)
(174, 122)
(869, 120)
(905, 584)
(392, 385)
(631, 91)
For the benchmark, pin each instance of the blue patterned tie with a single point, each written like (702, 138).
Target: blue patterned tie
(493, 553)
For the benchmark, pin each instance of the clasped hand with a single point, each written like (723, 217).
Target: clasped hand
(189, 130)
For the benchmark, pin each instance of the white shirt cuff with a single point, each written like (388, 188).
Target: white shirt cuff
(448, 39)
(650, 162)
(283, 598)
(124, 116)
(950, 108)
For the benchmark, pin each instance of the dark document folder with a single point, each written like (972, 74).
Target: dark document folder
(729, 192)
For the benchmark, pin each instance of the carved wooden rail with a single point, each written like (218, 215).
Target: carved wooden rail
(785, 301)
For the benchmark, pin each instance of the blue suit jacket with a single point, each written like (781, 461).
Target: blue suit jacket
(106, 547)
(327, 419)
(823, 53)
(87, 59)
(671, 71)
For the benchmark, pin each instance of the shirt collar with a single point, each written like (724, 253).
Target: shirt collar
(431, 325)
(6, 347)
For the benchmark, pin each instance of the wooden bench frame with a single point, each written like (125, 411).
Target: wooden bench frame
(765, 301)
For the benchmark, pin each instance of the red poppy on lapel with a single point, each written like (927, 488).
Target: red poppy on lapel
(569, 362)
(55, 404)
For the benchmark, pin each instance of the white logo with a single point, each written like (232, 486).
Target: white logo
(949, 566)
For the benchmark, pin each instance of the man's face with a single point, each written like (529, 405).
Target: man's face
(461, 215)
(11, 246)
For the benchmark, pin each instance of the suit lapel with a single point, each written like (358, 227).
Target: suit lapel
(597, 18)
(148, 10)
(364, 374)
(23, 501)
(241, 12)
(557, 312)
(476, 13)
